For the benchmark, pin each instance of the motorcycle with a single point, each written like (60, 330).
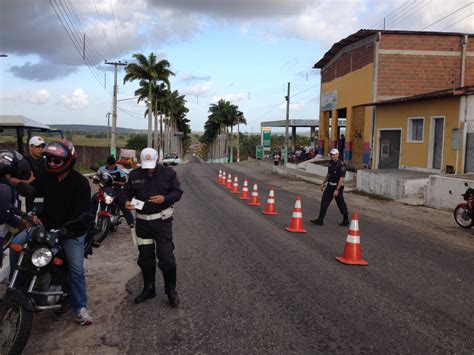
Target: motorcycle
(107, 215)
(464, 211)
(39, 282)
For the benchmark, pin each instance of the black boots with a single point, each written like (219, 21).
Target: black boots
(345, 222)
(319, 221)
(147, 293)
(170, 287)
(148, 287)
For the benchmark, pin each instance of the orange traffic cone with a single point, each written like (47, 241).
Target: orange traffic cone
(235, 188)
(254, 201)
(229, 182)
(219, 177)
(270, 208)
(245, 191)
(223, 179)
(296, 225)
(352, 250)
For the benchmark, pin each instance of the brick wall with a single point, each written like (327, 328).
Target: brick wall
(406, 74)
(348, 62)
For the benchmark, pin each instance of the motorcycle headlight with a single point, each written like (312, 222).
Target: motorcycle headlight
(108, 199)
(41, 257)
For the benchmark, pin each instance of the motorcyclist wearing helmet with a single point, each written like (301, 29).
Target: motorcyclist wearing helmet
(9, 168)
(66, 196)
(119, 178)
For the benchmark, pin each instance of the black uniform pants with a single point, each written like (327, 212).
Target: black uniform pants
(328, 195)
(162, 248)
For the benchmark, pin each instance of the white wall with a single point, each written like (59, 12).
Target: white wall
(438, 192)
(389, 185)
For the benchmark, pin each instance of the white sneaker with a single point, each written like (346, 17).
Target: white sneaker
(83, 317)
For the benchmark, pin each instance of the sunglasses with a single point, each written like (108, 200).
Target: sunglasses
(55, 161)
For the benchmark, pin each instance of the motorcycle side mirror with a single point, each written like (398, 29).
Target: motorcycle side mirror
(25, 189)
(466, 184)
(94, 167)
(450, 192)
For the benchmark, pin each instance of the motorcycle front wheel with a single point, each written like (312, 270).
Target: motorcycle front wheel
(103, 227)
(16, 321)
(463, 217)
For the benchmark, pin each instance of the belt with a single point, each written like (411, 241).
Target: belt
(165, 214)
(333, 183)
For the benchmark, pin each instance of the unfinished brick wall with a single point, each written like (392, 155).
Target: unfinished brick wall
(406, 74)
(348, 62)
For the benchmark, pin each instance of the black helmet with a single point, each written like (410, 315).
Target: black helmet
(9, 162)
(107, 179)
(111, 160)
(60, 156)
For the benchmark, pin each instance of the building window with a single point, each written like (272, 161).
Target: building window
(415, 130)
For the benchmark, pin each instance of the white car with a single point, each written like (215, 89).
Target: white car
(171, 159)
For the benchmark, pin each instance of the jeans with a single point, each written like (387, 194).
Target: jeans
(74, 252)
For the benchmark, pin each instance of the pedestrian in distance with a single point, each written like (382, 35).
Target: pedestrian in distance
(341, 146)
(152, 190)
(276, 158)
(333, 187)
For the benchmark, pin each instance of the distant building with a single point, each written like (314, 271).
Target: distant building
(363, 80)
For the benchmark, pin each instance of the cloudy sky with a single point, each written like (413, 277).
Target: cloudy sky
(244, 51)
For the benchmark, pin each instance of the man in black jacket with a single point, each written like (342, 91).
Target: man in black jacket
(152, 190)
(66, 196)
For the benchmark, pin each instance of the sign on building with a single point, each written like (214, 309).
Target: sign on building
(266, 138)
(329, 101)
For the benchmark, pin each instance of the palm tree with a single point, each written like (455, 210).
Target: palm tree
(149, 71)
(223, 115)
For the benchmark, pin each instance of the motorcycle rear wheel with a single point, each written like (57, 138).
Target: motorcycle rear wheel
(463, 217)
(16, 322)
(103, 227)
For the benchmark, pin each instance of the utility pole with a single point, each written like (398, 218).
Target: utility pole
(238, 138)
(287, 97)
(108, 128)
(113, 136)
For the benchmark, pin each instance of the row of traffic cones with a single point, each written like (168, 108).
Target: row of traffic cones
(352, 250)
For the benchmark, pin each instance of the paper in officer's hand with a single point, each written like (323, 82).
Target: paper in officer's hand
(137, 203)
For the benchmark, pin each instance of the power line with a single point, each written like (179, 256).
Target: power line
(115, 25)
(103, 29)
(451, 25)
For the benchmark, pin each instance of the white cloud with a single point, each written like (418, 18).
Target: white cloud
(77, 101)
(293, 106)
(232, 97)
(39, 98)
(197, 89)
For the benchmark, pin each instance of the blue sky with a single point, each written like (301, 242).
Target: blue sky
(244, 51)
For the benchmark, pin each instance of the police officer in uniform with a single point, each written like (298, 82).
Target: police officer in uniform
(152, 190)
(334, 188)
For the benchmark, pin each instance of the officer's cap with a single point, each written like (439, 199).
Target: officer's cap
(148, 158)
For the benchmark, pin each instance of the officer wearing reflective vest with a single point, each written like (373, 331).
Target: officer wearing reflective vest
(152, 190)
(333, 189)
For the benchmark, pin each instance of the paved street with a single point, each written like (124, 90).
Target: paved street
(248, 286)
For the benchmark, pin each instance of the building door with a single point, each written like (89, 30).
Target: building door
(389, 149)
(438, 142)
(469, 166)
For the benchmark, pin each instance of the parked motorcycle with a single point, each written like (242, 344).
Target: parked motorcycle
(39, 282)
(107, 215)
(464, 212)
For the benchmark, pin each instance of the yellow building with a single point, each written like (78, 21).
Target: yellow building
(432, 132)
(375, 66)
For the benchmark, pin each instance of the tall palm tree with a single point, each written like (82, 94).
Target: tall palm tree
(150, 71)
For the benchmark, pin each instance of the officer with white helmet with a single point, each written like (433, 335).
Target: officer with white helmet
(152, 190)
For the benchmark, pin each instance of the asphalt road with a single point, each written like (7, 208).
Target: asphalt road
(248, 286)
